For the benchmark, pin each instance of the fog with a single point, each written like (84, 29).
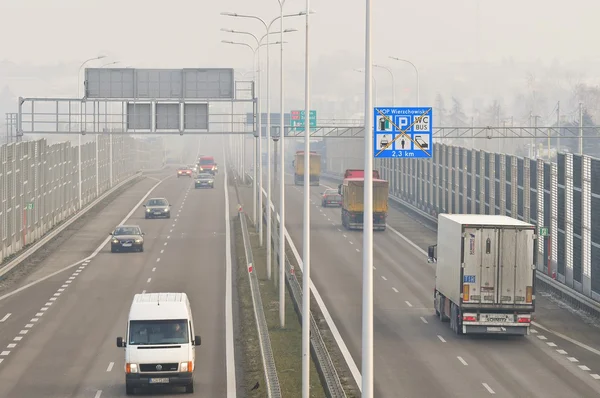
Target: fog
(480, 63)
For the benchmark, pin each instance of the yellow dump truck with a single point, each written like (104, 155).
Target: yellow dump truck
(315, 168)
(352, 190)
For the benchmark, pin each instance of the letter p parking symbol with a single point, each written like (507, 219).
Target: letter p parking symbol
(402, 122)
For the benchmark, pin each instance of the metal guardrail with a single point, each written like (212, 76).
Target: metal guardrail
(272, 380)
(39, 182)
(323, 361)
(565, 293)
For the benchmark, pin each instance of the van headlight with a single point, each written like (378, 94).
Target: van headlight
(186, 367)
(131, 368)
(167, 210)
(148, 210)
(115, 241)
(211, 181)
(138, 241)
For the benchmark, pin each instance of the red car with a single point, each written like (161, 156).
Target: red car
(207, 164)
(184, 171)
(331, 197)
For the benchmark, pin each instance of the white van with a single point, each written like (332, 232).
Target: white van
(159, 348)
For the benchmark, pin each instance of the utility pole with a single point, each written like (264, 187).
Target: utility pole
(581, 128)
(558, 127)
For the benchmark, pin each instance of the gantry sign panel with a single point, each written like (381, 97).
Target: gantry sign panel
(167, 116)
(156, 84)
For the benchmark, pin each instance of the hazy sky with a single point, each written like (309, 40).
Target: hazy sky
(186, 33)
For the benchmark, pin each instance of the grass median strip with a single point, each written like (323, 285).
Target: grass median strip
(286, 343)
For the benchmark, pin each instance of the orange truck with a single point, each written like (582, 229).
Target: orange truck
(352, 191)
(314, 170)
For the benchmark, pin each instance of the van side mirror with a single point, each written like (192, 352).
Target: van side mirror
(110, 234)
(120, 342)
(197, 340)
(340, 189)
(431, 257)
(144, 205)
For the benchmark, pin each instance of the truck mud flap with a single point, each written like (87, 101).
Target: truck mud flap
(496, 329)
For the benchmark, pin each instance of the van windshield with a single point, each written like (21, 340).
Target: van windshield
(151, 332)
(206, 161)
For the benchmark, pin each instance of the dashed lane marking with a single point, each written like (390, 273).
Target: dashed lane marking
(5, 317)
(424, 320)
(149, 279)
(158, 260)
(573, 359)
(583, 367)
(487, 387)
(462, 361)
(153, 269)
(562, 352)
(395, 290)
(441, 338)
(408, 303)
(110, 366)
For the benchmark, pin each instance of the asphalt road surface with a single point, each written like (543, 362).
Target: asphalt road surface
(415, 354)
(58, 336)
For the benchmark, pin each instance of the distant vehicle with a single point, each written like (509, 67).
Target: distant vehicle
(485, 273)
(352, 191)
(157, 207)
(127, 238)
(207, 164)
(205, 180)
(331, 197)
(184, 171)
(194, 168)
(160, 345)
(315, 168)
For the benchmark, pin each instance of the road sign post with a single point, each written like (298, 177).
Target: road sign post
(404, 132)
(544, 232)
(298, 120)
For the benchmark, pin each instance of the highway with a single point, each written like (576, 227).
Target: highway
(58, 336)
(415, 354)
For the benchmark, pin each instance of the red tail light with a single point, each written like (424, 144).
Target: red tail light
(523, 320)
(469, 318)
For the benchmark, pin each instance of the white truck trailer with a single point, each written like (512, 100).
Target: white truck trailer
(485, 273)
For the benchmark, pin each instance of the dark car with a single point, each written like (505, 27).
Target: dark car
(158, 207)
(127, 238)
(184, 172)
(205, 180)
(331, 197)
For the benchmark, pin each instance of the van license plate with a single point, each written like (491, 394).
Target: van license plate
(161, 380)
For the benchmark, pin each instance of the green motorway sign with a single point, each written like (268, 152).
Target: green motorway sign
(298, 120)
(29, 206)
(544, 231)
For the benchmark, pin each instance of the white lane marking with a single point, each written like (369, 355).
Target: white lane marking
(56, 294)
(395, 290)
(424, 320)
(583, 367)
(358, 250)
(18, 338)
(98, 394)
(67, 282)
(569, 339)
(91, 256)
(49, 303)
(572, 359)
(339, 230)
(462, 361)
(408, 303)
(170, 230)
(61, 290)
(23, 331)
(153, 269)
(4, 353)
(351, 242)
(173, 225)
(534, 331)
(551, 344)
(384, 278)
(34, 319)
(158, 260)
(71, 278)
(29, 325)
(44, 309)
(162, 251)
(374, 268)
(166, 243)
(542, 337)
(168, 236)
(562, 352)
(344, 235)
(64, 286)
(52, 298)
(5, 317)
(441, 338)
(229, 346)
(595, 376)
(326, 314)
(110, 366)
(11, 345)
(149, 279)
(39, 314)
(488, 388)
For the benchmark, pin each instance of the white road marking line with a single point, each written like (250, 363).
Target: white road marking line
(64, 286)
(395, 290)
(563, 352)
(541, 337)
(408, 303)
(149, 279)
(424, 320)
(488, 388)
(71, 278)
(110, 366)
(44, 309)
(170, 230)
(5, 317)
(229, 345)
(339, 230)
(49, 303)
(168, 236)
(583, 367)
(39, 314)
(462, 361)
(162, 251)
(158, 260)
(11, 345)
(61, 290)
(82, 267)
(176, 220)
(4, 353)
(551, 344)
(351, 242)
(29, 325)
(166, 243)
(18, 338)
(23, 331)
(68, 282)
(595, 376)
(384, 278)
(34, 319)
(358, 250)
(441, 338)
(533, 331)
(572, 359)
(153, 269)
(56, 294)
(374, 268)
(328, 219)
(173, 225)
(344, 235)
(569, 339)
(98, 394)
(52, 298)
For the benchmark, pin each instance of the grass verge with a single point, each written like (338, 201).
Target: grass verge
(286, 343)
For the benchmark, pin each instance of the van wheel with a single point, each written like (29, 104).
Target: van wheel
(189, 389)
(129, 390)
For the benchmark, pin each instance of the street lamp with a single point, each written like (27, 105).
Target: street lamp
(393, 82)
(110, 63)
(416, 71)
(374, 82)
(268, 132)
(81, 131)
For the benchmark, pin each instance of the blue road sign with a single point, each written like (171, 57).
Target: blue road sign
(403, 132)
